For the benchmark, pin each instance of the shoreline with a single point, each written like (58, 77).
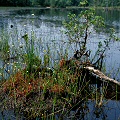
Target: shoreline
(71, 7)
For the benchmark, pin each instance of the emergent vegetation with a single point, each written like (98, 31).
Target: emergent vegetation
(38, 91)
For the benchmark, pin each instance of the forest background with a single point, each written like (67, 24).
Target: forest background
(60, 3)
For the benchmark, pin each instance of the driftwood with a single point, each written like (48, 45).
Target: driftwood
(102, 76)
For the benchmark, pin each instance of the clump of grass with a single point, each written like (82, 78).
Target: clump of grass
(4, 45)
(25, 92)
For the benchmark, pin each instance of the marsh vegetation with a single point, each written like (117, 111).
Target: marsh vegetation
(36, 85)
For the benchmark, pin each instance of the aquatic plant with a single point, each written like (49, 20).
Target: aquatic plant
(38, 91)
(30, 58)
(4, 45)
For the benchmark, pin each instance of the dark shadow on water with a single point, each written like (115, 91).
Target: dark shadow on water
(10, 115)
(109, 111)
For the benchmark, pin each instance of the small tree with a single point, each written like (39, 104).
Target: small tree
(78, 29)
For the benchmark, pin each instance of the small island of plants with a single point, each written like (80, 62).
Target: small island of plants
(37, 90)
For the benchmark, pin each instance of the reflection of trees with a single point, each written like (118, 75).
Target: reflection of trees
(84, 111)
(109, 15)
(112, 18)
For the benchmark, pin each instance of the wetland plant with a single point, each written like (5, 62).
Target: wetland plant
(40, 92)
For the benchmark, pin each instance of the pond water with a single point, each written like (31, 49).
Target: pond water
(47, 26)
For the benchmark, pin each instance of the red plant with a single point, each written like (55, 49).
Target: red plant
(57, 88)
(62, 62)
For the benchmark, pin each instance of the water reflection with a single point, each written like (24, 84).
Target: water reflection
(47, 26)
(88, 111)
(110, 111)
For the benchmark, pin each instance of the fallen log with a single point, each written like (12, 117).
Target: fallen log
(88, 66)
(101, 75)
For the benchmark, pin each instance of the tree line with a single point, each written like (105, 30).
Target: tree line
(60, 3)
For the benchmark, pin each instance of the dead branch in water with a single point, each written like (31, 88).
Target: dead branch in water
(102, 76)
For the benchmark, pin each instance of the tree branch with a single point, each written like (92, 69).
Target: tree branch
(102, 76)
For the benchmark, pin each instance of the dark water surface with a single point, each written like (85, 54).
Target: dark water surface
(47, 26)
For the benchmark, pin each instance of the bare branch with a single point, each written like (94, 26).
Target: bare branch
(101, 75)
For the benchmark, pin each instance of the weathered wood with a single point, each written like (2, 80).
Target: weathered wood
(102, 76)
